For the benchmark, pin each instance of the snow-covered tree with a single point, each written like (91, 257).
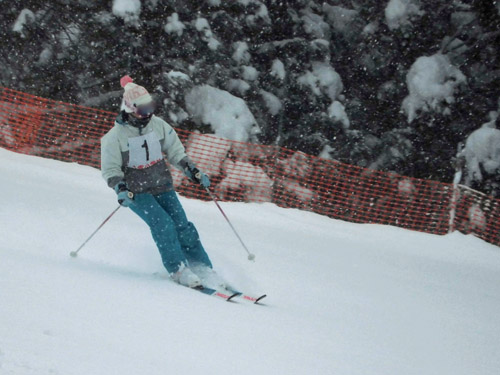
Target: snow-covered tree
(338, 78)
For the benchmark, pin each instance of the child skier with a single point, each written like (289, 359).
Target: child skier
(132, 163)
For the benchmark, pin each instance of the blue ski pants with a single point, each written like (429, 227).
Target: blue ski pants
(176, 238)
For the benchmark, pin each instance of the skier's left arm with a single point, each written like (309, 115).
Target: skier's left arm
(176, 155)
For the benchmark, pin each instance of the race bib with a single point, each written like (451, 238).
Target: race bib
(144, 151)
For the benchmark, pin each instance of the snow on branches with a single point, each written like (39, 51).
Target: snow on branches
(432, 82)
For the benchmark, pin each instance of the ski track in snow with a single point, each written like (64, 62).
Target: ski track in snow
(343, 298)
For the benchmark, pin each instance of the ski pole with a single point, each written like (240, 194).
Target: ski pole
(214, 198)
(75, 253)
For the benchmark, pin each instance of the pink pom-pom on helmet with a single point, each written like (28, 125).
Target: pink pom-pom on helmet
(125, 79)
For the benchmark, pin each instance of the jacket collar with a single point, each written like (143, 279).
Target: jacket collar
(123, 120)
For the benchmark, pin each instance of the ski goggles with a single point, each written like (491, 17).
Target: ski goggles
(145, 110)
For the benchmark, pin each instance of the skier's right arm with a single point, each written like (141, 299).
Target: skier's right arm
(111, 160)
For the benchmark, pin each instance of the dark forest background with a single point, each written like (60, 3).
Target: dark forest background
(76, 51)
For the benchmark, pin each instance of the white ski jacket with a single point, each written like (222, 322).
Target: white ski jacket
(137, 156)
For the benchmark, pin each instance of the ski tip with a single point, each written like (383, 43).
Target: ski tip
(227, 296)
(257, 300)
(237, 294)
(254, 299)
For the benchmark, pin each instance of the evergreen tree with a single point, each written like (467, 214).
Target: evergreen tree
(266, 52)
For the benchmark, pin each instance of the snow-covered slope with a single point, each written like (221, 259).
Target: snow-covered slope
(343, 298)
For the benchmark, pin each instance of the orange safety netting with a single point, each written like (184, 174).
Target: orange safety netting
(254, 173)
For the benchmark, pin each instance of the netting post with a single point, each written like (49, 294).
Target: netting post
(454, 198)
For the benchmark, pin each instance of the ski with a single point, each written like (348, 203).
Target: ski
(247, 297)
(227, 295)
(253, 299)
